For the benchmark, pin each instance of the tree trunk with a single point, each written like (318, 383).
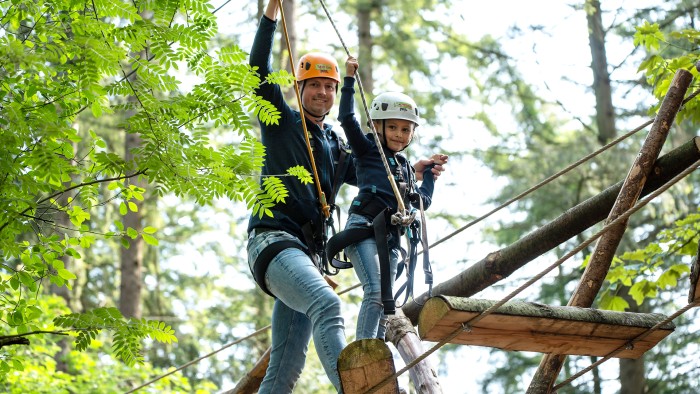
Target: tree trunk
(605, 112)
(500, 264)
(63, 223)
(132, 258)
(632, 376)
(632, 372)
(594, 275)
(694, 293)
(261, 9)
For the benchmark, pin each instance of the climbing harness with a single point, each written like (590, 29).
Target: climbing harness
(416, 233)
(383, 225)
(314, 234)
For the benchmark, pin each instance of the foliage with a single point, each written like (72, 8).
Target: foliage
(660, 70)
(35, 368)
(127, 333)
(654, 268)
(59, 58)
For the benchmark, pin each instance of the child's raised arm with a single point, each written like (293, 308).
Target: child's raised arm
(351, 66)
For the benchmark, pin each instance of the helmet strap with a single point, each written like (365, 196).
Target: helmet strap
(384, 142)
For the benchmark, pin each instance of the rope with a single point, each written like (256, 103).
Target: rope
(558, 174)
(404, 218)
(546, 181)
(259, 331)
(325, 208)
(200, 359)
(627, 345)
(493, 308)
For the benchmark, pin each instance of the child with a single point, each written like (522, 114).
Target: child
(395, 117)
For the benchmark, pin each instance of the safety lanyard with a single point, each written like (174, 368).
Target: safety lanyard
(401, 217)
(325, 208)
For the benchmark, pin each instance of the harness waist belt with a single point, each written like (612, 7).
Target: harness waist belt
(264, 258)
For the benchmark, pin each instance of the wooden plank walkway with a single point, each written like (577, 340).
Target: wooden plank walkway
(525, 326)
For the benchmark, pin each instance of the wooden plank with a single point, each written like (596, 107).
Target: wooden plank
(525, 326)
(250, 383)
(365, 363)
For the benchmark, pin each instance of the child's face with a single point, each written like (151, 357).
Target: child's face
(399, 133)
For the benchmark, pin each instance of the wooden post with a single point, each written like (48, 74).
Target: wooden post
(403, 335)
(599, 264)
(365, 363)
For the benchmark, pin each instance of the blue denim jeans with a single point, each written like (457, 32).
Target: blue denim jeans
(305, 305)
(371, 322)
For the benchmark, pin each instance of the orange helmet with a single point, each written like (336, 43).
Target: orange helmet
(317, 65)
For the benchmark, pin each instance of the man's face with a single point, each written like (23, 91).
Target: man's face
(319, 95)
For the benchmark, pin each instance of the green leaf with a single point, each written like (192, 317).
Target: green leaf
(27, 280)
(132, 233)
(14, 282)
(614, 303)
(66, 275)
(96, 109)
(149, 239)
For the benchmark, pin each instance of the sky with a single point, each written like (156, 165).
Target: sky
(556, 60)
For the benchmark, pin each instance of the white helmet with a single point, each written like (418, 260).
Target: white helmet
(394, 105)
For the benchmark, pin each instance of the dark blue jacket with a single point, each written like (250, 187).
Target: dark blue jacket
(285, 147)
(371, 173)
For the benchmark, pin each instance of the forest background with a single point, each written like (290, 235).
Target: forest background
(130, 160)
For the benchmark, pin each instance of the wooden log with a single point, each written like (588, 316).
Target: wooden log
(597, 269)
(365, 363)
(500, 264)
(250, 383)
(593, 277)
(526, 326)
(401, 332)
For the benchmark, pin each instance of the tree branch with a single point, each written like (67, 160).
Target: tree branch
(72, 188)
